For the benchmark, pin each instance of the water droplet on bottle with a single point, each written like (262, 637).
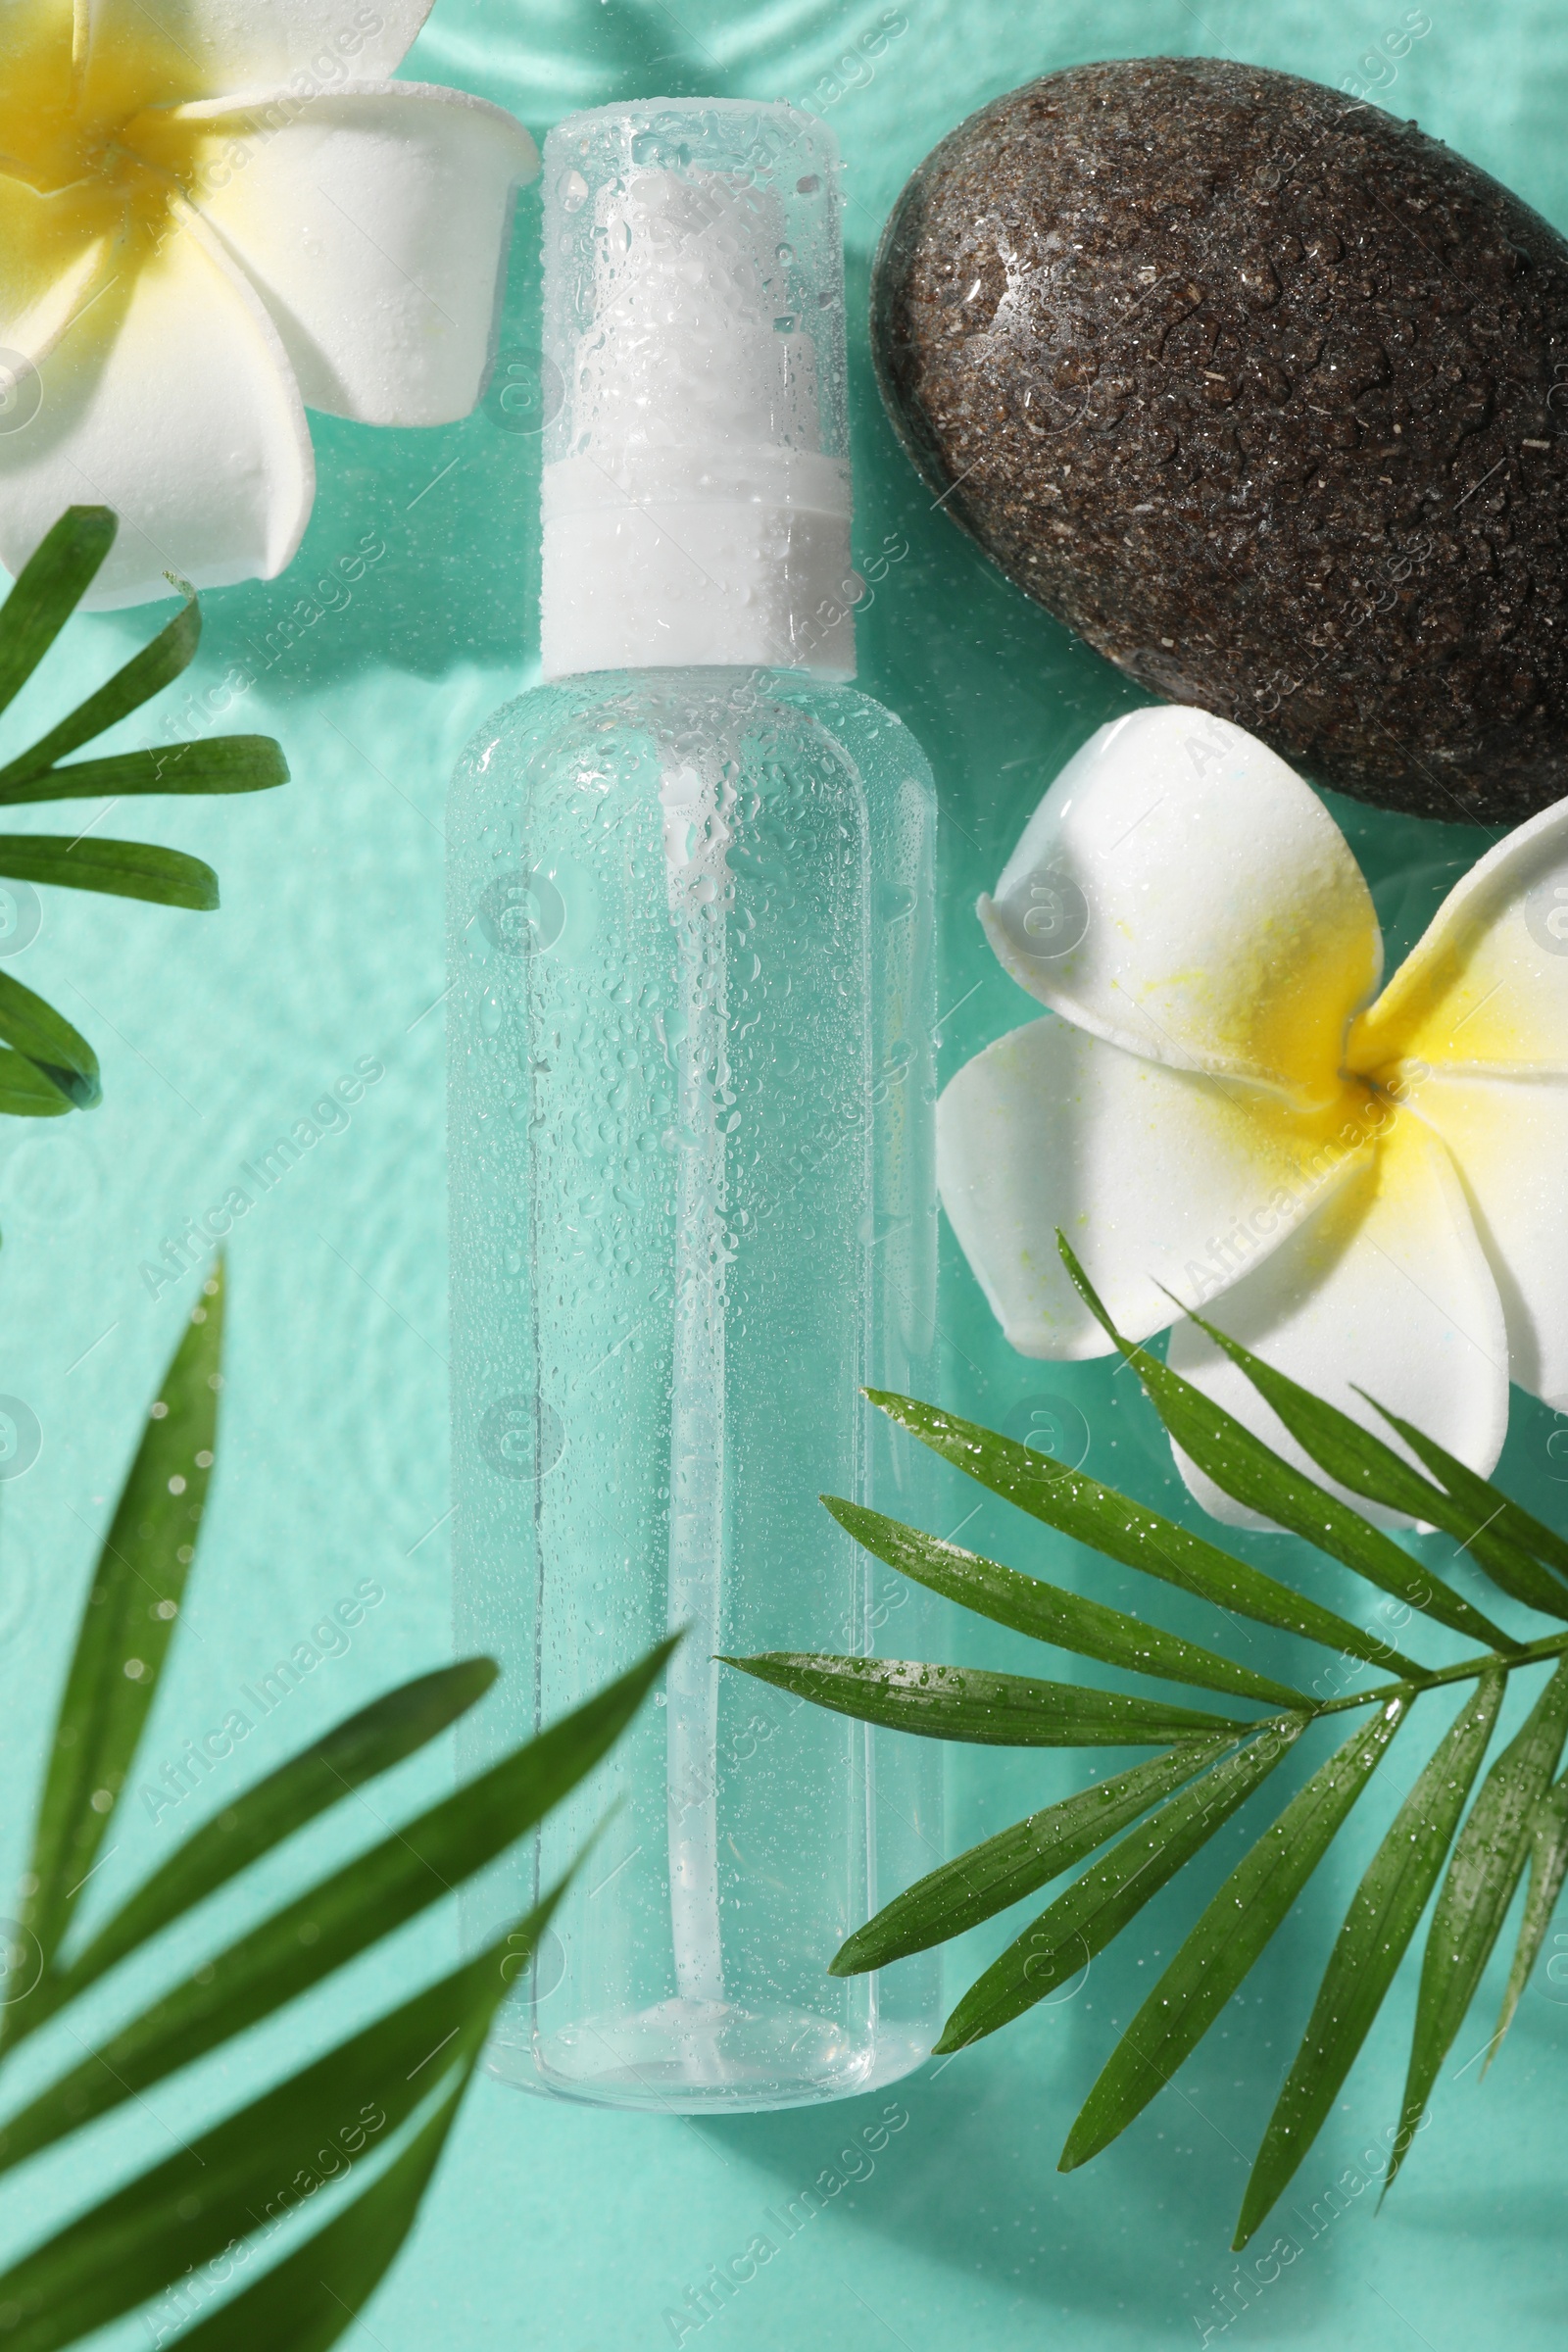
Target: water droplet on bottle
(574, 192)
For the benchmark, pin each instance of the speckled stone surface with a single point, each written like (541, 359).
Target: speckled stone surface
(1253, 386)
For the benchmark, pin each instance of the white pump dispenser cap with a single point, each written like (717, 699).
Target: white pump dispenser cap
(696, 484)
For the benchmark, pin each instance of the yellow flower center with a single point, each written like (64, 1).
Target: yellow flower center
(73, 170)
(1362, 1111)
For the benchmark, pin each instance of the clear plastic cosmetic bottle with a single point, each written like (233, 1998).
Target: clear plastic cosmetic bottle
(693, 1204)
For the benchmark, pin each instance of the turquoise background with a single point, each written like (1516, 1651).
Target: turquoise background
(551, 2226)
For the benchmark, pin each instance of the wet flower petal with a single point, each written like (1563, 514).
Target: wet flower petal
(1188, 904)
(385, 303)
(212, 212)
(1486, 989)
(1156, 1176)
(1182, 893)
(171, 400)
(1386, 1287)
(202, 48)
(1508, 1138)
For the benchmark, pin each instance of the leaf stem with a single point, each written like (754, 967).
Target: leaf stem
(1530, 1653)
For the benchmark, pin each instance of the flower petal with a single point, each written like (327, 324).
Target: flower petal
(1156, 1176)
(180, 49)
(1387, 1288)
(1182, 893)
(170, 399)
(35, 44)
(371, 222)
(1487, 987)
(53, 250)
(1508, 1138)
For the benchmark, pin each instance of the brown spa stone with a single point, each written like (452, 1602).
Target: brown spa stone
(1264, 394)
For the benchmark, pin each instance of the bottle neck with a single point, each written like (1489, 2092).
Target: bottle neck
(738, 560)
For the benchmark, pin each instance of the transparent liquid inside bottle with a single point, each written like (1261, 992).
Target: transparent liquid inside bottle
(692, 1216)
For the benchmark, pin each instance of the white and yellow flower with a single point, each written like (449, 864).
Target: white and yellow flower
(215, 213)
(1221, 1102)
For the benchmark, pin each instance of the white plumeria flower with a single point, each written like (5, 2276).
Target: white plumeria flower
(1223, 1107)
(215, 213)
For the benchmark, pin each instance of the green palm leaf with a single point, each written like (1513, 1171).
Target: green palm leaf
(356, 1751)
(338, 1918)
(1093, 1912)
(1228, 1939)
(1489, 1860)
(1048, 1614)
(45, 593)
(1013, 1864)
(126, 1623)
(1211, 1767)
(145, 674)
(998, 1710)
(1549, 1866)
(47, 590)
(230, 2187)
(125, 869)
(215, 764)
(60, 1053)
(1497, 1513)
(1381, 1921)
(1254, 1475)
(29, 1093)
(1128, 1532)
(308, 2299)
(234, 2178)
(1361, 1461)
